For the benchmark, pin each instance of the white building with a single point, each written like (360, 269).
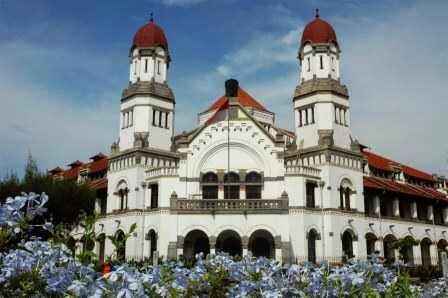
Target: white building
(238, 183)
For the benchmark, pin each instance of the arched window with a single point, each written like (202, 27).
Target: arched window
(253, 185)
(122, 195)
(310, 194)
(152, 237)
(345, 192)
(210, 186)
(231, 186)
(101, 242)
(312, 237)
(389, 248)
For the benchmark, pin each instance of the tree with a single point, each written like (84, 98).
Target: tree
(31, 169)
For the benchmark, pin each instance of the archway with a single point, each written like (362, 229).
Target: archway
(347, 244)
(389, 249)
(312, 237)
(407, 250)
(121, 249)
(425, 245)
(370, 243)
(152, 237)
(195, 242)
(262, 244)
(229, 242)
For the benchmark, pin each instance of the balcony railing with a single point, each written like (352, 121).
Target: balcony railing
(302, 170)
(162, 172)
(229, 206)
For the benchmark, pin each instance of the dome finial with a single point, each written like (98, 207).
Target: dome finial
(317, 12)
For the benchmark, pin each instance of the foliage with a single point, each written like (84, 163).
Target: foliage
(36, 268)
(67, 200)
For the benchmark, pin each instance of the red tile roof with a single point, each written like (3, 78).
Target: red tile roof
(405, 188)
(386, 164)
(99, 183)
(75, 164)
(243, 97)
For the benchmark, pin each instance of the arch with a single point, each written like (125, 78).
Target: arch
(347, 243)
(195, 242)
(389, 248)
(254, 185)
(442, 247)
(370, 243)
(209, 183)
(260, 158)
(230, 242)
(262, 244)
(121, 249)
(101, 244)
(312, 236)
(425, 248)
(196, 227)
(152, 238)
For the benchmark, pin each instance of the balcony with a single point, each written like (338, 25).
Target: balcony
(162, 172)
(302, 171)
(226, 206)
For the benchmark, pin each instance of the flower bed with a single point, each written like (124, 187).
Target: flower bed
(39, 268)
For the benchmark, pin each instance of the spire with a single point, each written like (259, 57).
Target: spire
(317, 12)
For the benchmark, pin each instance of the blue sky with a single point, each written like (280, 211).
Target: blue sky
(65, 63)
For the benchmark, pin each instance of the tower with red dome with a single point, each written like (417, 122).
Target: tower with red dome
(320, 100)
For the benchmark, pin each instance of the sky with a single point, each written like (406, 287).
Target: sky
(64, 64)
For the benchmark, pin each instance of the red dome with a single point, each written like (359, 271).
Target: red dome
(150, 35)
(318, 31)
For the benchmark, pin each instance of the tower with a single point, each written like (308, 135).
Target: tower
(147, 104)
(321, 106)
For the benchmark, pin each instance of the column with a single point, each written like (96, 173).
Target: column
(379, 246)
(376, 205)
(434, 253)
(396, 208)
(245, 243)
(430, 214)
(445, 215)
(416, 251)
(180, 246)
(212, 241)
(414, 209)
(97, 205)
(278, 248)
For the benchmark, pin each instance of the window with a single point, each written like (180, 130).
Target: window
(160, 118)
(154, 196)
(154, 117)
(210, 186)
(309, 64)
(312, 237)
(321, 62)
(158, 67)
(299, 114)
(332, 64)
(123, 198)
(253, 185)
(310, 194)
(231, 186)
(306, 116)
(344, 194)
(312, 114)
(146, 65)
(166, 119)
(135, 67)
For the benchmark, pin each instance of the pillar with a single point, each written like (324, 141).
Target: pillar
(414, 214)
(434, 253)
(278, 248)
(416, 251)
(376, 205)
(245, 243)
(430, 214)
(445, 215)
(379, 246)
(180, 246)
(396, 208)
(212, 241)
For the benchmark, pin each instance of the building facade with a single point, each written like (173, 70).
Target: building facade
(238, 183)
